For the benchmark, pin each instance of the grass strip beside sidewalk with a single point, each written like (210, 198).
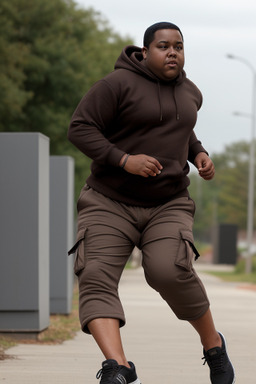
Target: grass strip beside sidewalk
(61, 328)
(238, 274)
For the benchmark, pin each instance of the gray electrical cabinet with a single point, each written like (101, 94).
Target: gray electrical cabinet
(24, 232)
(61, 233)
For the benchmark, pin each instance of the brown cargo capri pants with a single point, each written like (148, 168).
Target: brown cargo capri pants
(107, 233)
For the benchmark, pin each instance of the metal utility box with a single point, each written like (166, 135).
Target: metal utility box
(61, 233)
(24, 232)
(225, 244)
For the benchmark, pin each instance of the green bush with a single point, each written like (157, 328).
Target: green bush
(240, 266)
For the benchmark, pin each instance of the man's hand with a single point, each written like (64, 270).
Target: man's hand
(205, 166)
(142, 165)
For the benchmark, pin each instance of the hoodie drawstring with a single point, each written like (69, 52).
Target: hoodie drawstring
(176, 105)
(160, 102)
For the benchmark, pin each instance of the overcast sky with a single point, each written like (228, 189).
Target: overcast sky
(211, 30)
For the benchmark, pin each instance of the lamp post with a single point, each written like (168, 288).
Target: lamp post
(242, 114)
(250, 213)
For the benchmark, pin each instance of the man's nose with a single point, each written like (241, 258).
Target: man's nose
(171, 52)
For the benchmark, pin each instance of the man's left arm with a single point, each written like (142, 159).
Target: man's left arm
(200, 158)
(205, 166)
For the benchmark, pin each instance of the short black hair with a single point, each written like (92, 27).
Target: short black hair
(149, 34)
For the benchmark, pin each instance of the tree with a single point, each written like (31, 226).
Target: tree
(223, 199)
(204, 193)
(51, 53)
(232, 182)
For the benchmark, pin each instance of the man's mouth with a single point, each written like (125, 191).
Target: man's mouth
(172, 64)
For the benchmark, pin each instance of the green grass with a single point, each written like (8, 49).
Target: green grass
(238, 275)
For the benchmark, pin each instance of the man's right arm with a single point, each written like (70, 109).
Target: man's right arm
(93, 115)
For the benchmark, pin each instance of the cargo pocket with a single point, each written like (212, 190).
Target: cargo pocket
(186, 250)
(79, 250)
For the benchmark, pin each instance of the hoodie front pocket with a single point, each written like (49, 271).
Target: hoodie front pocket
(79, 250)
(186, 250)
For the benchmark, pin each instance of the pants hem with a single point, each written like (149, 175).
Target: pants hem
(84, 324)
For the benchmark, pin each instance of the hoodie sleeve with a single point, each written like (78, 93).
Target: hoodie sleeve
(90, 121)
(195, 147)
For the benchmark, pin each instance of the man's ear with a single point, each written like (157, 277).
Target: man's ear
(144, 52)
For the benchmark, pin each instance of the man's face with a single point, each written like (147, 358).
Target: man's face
(165, 55)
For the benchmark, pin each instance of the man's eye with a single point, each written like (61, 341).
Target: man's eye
(163, 46)
(179, 48)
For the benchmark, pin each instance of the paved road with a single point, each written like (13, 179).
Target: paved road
(164, 349)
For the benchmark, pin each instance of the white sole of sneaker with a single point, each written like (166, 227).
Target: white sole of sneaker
(228, 357)
(136, 382)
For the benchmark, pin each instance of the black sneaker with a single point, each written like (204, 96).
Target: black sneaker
(221, 369)
(112, 373)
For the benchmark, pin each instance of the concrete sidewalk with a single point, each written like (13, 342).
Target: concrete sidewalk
(164, 349)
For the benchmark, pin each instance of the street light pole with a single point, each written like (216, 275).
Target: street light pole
(250, 213)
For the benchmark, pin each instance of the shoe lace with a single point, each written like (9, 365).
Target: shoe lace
(216, 364)
(106, 374)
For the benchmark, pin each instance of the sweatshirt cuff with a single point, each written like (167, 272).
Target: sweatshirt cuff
(115, 156)
(194, 150)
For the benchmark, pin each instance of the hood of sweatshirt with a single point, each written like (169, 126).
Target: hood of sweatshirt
(131, 59)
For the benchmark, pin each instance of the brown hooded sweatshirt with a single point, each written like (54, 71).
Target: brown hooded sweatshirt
(132, 111)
